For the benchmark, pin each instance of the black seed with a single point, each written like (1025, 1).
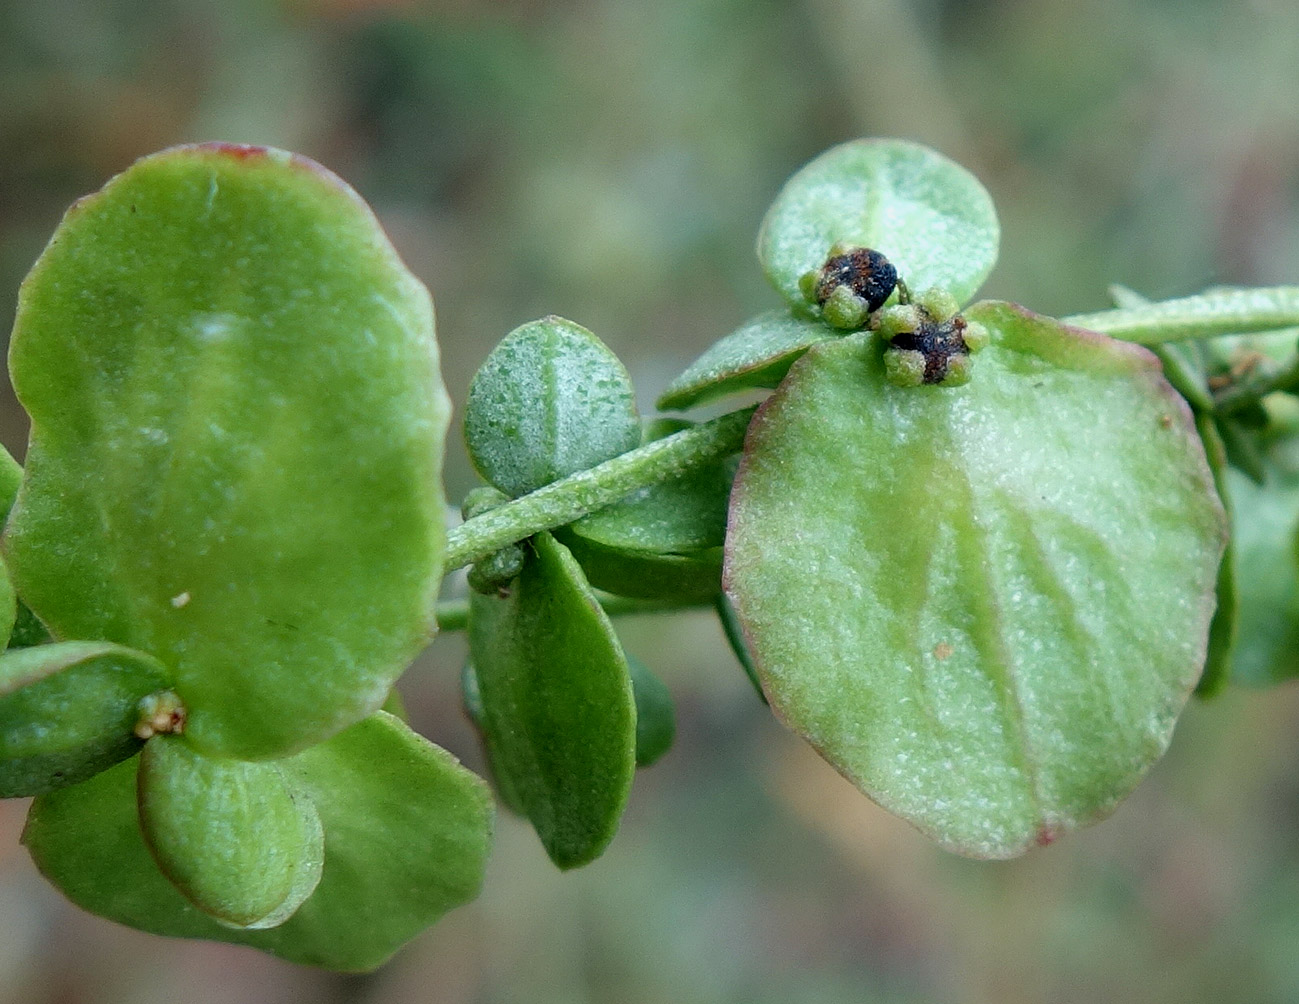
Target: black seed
(866, 272)
(937, 341)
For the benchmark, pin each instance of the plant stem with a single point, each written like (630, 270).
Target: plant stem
(1229, 312)
(561, 502)
(453, 615)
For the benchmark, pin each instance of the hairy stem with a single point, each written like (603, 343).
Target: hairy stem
(453, 615)
(1228, 312)
(570, 498)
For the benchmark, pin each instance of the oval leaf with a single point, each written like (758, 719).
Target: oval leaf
(407, 831)
(68, 711)
(656, 722)
(232, 836)
(929, 216)
(758, 354)
(557, 703)
(550, 400)
(237, 432)
(985, 605)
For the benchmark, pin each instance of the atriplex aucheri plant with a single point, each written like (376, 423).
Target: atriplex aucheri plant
(974, 555)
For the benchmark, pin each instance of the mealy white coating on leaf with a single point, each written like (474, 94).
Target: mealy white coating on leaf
(929, 216)
(984, 605)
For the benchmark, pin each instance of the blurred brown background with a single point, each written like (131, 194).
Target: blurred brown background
(609, 160)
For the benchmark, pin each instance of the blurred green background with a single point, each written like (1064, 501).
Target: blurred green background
(609, 160)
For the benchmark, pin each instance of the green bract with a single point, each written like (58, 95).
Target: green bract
(558, 711)
(758, 354)
(656, 724)
(232, 836)
(549, 400)
(406, 838)
(985, 605)
(930, 217)
(68, 711)
(237, 432)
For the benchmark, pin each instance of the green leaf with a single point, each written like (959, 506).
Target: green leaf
(663, 541)
(548, 401)
(656, 723)
(557, 703)
(237, 432)
(929, 216)
(473, 705)
(232, 836)
(985, 605)
(406, 827)
(11, 478)
(1265, 519)
(1217, 312)
(758, 354)
(734, 632)
(69, 711)
(1226, 615)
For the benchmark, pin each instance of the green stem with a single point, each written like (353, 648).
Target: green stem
(453, 615)
(561, 502)
(1229, 312)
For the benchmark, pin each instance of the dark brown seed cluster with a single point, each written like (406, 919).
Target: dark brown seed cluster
(865, 271)
(938, 341)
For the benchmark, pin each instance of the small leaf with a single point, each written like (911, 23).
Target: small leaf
(734, 632)
(11, 478)
(232, 836)
(656, 723)
(929, 216)
(985, 605)
(549, 400)
(69, 711)
(406, 827)
(237, 432)
(662, 541)
(557, 703)
(758, 354)
(1226, 615)
(1264, 524)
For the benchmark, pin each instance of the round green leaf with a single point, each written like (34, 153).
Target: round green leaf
(69, 711)
(557, 704)
(656, 723)
(232, 836)
(237, 433)
(985, 605)
(407, 831)
(929, 216)
(549, 400)
(758, 354)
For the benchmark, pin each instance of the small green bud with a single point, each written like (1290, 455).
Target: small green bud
(904, 367)
(958, 371)
(940, 304)
(482, 499)
(975, 335)
(493, 575)
(845, 309)
(807, 285)
(897, 320)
